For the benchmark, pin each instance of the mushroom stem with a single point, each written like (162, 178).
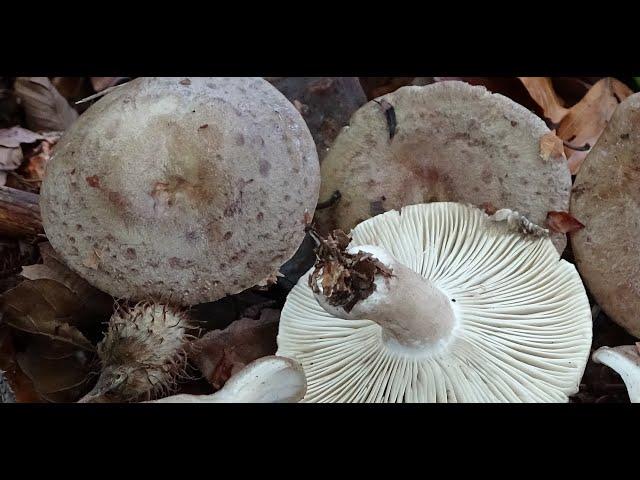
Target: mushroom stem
(625, 360)
(415, 315)
(269, 379)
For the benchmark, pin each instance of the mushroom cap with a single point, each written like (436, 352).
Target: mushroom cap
(606, 199)
(452, 142)
(181, 189)
(523, 329)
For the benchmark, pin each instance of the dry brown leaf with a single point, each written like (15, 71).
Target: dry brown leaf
(563, 222)
(102, 83)
(97, 303)
(586, 120)
(551, 147)
(18, 387)
(71, 88)
(45, 109)
(36, 159)
(45, 307)
(541, 90)
(220, 353)
(59, 372)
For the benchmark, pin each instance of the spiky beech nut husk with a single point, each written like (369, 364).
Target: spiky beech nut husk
(142, 354)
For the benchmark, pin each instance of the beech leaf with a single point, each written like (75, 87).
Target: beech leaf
(542, 92)
(585, 122)
(45, 307)
(45, 109)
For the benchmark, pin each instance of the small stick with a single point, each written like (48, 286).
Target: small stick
(19, 213)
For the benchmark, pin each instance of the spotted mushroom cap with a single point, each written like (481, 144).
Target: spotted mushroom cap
(181, 188)
(449, 141)
(606, 199)
(523, 329)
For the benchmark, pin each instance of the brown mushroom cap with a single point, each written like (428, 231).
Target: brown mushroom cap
(606, 199)
(186, 189)
(451, 142)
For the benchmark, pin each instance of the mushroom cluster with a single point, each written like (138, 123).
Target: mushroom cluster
(411, 227)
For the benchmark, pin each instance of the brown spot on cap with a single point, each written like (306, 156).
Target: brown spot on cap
(93, 181)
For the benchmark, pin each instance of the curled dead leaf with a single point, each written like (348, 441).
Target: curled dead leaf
(45, 307)
(586, 120)
(59, 372)
(45, 109)
(563, 222)
(221, 353)
(551, 147)
(542, 92)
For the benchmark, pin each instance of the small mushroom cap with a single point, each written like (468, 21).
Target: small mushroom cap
(185, 189)
(269, 379)
(452, 142)
(606, 199)
(625, 360)
(523, 329)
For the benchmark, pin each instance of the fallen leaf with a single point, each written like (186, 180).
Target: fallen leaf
(541, 90)
(93, 303)
(36, 158)
(14, 136)
(57, 377)
(586, 120)
(102, 83)
(15, 386)
(563, 222)
(45, 109)
(71, 88)
(551, 147)
(220, 353)
(45, 307)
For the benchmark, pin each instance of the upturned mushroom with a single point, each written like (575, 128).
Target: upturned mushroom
(448, 141)
(181, 189)
(625, 360)
(269, 379)
(439, 303)
(606, 199)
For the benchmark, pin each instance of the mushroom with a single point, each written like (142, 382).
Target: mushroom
(439, 303)
(606, 199)
(448, 141)
(269, 379)
(181, 189)
(625, 360)
(326, 104)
